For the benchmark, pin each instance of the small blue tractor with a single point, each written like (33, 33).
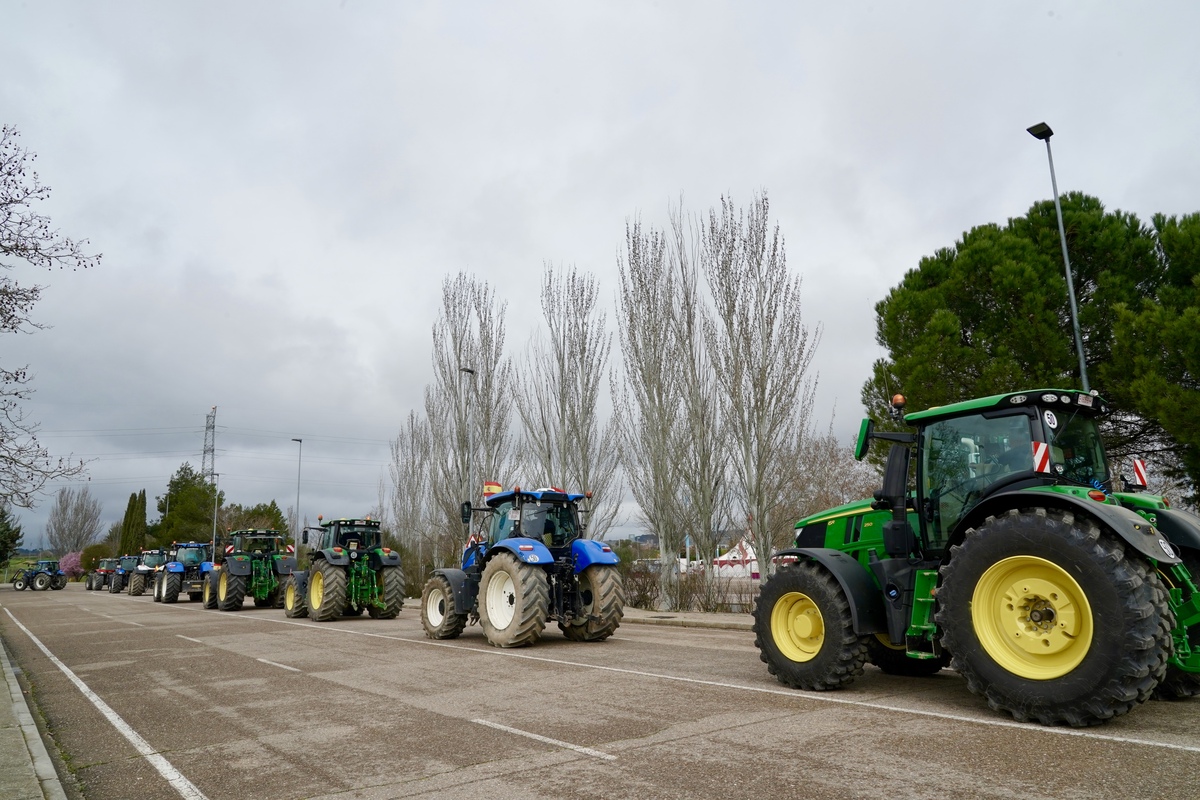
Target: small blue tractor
(40, 577)
(143, 574)
(255, 563)
(535, 565)
(126, 565)
(101, 576)
(184, 572)
(349, 570)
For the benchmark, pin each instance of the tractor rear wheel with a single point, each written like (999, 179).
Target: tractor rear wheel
(391, 588)
(437, 610)
(87, 582)
(1180, 685)
(41, 582)
(58, 582)
(231, 591)
(1050, 620)
(294, 598)
(172, 584)
(601, 605)
(893, 659)
(514, 601)
(114, 587)
(209, 598)
(326, 591)
(137, 585)
(157, 586)
(804, 631)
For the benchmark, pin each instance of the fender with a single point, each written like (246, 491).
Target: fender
(380, 559)
(337, 559)
(529, 551)
(300, 577)
(464, 590)
(866, 601)
(589, 551)
(1133, 528)
(173, 566)
(476, 552)
(1180, 527)
(284, 565)
(237, 565)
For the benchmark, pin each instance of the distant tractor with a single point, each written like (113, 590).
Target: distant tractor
(1011, 556)
(40, 577)
(534, 566)
(101, 576)
(143, 574)
(349, 570)
(256, 563)
(126, 565)
(184, 572)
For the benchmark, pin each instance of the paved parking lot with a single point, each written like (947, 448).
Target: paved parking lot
(153, 700)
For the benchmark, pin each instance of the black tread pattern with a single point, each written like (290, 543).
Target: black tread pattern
(137, 585)
(1139, 634)
(299, 599)
(531, 602)
(172, 584)
(393, 594)
(438, 590)
(601, 618)
(235, 591)
(333, 601)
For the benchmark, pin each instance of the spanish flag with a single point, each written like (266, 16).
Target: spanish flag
(490, 488)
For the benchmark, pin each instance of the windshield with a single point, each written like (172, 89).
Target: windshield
(259, 544)
(190, 556)
(553, 523)
(128, 562)
(1076, 452)
(153, 559)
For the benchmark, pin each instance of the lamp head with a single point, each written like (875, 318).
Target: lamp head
(1040, 131)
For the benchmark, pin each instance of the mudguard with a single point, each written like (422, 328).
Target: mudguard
(337, 559)
(1180, 527)
(1133, 528)
(301, 579)
(381, 559)
(173, 566)
(284, 565)
(866, 601)
(237, 565)
(589, 551)
(464, 589)
(529, 551)
(473, 553)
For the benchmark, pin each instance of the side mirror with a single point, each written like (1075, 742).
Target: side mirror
(865, 432)
(466, 512)
(304, 537)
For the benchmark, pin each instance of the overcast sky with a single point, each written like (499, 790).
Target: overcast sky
(279, 188)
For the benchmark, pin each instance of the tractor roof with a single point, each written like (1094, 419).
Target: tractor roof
(344, 521)
(1064, 398)
(254, 532)
(541, 495)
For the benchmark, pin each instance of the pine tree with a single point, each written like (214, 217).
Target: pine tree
(10, 533)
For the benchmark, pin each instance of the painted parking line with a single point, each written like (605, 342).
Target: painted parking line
(190, 639)
(165, 768)
(816, 697)
(587, 751)
(276, 664)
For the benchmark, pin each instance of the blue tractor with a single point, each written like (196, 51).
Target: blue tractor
(184, 572)
(126, 567)
(44, 575)
(533, 566)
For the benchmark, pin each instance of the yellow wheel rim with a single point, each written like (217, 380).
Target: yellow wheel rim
(207, 591)
(1032, 618)
(289, 595)
(886, 641)
(222, 587)
(797, 627)
(316, 589)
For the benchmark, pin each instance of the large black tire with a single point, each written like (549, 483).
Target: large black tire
(231, 591)
(58, 582)
(1048, 618)
(804, 631)
(114, 587)
(294, 598)
(894, 661)
(19, 584)
(391, 581)
(158, 586)
(326, 591)
(437, 610)
(172, 585)
(514, 601)
(1177, 684)
(41, 582)
(87, 582)
(602, 604)
(137, 584)
(209, 593)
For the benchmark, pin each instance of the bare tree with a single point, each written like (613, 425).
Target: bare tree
(558, 396)
(409, 503)
(74, 521)
(25, 465)
(647, 394)
(761, 351)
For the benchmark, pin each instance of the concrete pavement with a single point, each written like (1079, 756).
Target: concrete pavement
(26, 771)
(689, 619)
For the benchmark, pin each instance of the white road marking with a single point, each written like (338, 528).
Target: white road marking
(117, 619)
(816, 697)
(179, 783)
(587, 751)
(190, 639)
(274, 664)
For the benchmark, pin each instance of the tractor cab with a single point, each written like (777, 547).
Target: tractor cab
(106, 565)
(348, 534)
(549, 516)
(152, 558)
(257, 542)
(128, 563)
(47, 566)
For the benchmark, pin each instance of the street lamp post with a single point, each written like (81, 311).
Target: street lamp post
(1042, 131)
(299, 522)
(216, 502)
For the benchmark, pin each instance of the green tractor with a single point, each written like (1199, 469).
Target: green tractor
(349, 570)
(1004, 552)
(256, 563)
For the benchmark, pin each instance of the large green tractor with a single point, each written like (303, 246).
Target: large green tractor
(1005, 552)
(349, 570)
(256, 564)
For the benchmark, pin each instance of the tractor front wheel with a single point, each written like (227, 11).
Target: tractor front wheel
(515, 601)
(1050, 620)
(601, 605)
(172, 585)
(437, 610)
(231, 591)
(1180, 685)
(18, 584)
(209, 597)
(894, 660)
(391, 589)
(326, 591)
(294, 598)
(804, 631)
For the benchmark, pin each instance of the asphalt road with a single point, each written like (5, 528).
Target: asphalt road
(253, 705)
